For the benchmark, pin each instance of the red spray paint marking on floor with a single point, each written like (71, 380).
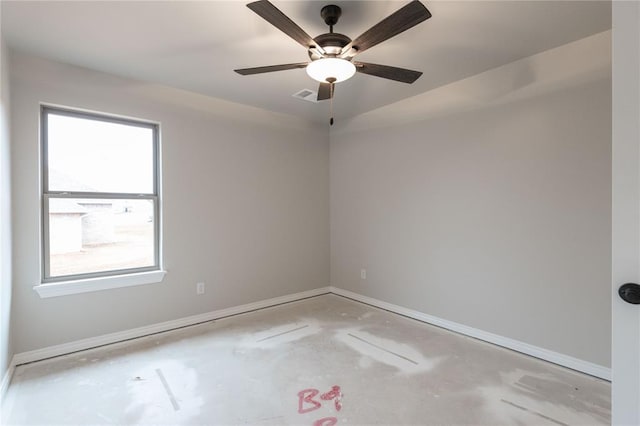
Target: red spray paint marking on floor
(306, 403)
(334, 393)
(326, 421)
(306, 396)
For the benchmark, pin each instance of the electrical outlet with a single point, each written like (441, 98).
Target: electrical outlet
(200, 288)
(363, 274)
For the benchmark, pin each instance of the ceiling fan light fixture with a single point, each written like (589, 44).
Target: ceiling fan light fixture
(331, 68)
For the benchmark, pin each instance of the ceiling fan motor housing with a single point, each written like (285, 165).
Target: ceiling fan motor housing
(331, 43)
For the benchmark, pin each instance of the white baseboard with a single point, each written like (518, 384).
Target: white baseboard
(516, 345)
(106, 339)
(6, 379)
(525, 348)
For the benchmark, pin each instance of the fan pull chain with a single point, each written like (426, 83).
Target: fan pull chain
(332, 86)
(331, 108)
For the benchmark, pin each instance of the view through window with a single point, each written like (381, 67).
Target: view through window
(100, 195)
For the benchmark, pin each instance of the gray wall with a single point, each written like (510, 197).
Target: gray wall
(487, 202)
(5, 216)
(245, 199)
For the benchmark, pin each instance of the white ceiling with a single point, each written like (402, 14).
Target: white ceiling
(196, 45)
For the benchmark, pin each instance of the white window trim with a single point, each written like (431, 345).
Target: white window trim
(87, 285)
(76, 284)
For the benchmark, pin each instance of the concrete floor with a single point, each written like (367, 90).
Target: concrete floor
(320, 361)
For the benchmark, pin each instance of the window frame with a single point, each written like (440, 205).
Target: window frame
(47, 195)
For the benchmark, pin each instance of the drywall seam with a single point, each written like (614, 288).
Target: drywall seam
(106, 339)
(6, 380)
(505, 342)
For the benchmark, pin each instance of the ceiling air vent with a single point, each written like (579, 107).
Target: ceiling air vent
(307, 95)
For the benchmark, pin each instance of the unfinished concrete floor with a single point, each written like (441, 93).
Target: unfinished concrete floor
(321, 361)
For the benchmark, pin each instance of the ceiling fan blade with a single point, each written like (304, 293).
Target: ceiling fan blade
(401, 20)
(275, 17)
(385, 71)
(270, 68)
(325, 91)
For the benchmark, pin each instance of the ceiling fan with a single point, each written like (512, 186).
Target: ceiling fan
(332, 53)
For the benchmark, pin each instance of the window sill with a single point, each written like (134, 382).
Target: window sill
(65, 288)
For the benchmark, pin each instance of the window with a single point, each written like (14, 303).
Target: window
(100, 196)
